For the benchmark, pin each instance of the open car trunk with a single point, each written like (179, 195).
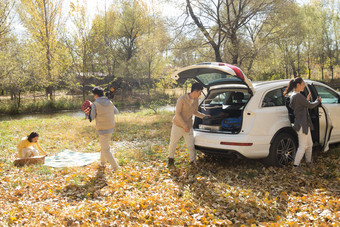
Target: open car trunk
(225, 106)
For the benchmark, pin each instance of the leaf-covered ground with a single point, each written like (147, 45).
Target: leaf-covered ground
(216, 192)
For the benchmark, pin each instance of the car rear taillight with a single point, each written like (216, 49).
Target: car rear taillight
(238, 71)
(236, 144)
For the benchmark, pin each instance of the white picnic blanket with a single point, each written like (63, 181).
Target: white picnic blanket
(70, 158)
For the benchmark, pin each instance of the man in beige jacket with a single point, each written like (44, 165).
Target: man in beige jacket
(187, 105)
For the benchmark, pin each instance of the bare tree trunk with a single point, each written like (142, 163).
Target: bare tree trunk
(332, 71)
(216, 47)
(48, 52)
(294, 69)
(49, 92)
(149, 78)
(84, 76)
(298, 61)
(309, 67)
(287, 63)
(19, 99)
(234, 43)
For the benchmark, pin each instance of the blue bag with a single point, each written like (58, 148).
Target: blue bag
(232, 123)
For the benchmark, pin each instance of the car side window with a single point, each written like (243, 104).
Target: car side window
(273, 98)
(327, 95)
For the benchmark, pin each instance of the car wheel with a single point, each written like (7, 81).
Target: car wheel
(282, 151)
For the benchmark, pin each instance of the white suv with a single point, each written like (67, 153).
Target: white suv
(252, 119)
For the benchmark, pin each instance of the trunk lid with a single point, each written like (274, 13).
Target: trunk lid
(213, 73)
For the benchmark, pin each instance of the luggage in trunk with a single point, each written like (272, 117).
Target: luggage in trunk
(223, 120)
(231, 124)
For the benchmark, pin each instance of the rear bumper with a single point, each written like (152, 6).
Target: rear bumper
(211, 143)
(224, 153)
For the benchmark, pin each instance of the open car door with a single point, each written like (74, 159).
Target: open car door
(322, 123)
(325, 127)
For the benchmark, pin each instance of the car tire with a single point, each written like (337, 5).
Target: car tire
(282, 150)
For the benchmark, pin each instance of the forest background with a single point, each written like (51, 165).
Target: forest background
(52, 53)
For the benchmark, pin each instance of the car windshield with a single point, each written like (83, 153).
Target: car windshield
(211, 78)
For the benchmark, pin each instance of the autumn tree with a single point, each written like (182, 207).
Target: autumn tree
(307, 42)
(229, 25)
(105, 43)
(6, 64)
(6, 16)
(281, 54)
(6, 9)
(13, 59)
(330, 31)
(131, 26)
(153, 45)
(79, 42)
(26, 60)
(310, 14)
(42, 18)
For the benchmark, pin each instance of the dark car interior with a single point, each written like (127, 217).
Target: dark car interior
(225, 108)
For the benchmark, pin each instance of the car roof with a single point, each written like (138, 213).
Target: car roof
(262, 86)
(265, 85)
(270, 83)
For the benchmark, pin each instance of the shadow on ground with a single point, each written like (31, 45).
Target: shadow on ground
(90, 189)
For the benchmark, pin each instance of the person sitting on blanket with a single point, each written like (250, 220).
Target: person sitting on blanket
(29, 146)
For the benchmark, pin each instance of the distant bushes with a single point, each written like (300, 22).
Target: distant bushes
(154, 101)
(40, 106)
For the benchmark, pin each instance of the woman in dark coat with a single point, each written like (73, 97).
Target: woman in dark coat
(302, 123)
